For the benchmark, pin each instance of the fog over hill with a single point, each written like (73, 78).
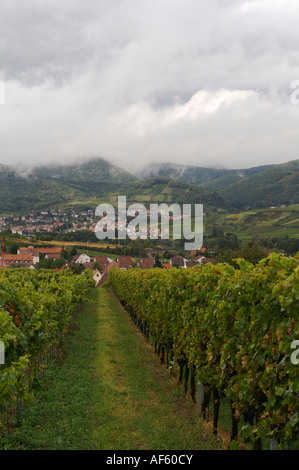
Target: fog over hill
(196, 174)
(25, 188)
(204, 83)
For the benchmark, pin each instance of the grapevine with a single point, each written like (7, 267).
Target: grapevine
(233, 329)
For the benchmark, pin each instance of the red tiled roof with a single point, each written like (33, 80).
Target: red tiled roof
(88, 265)
(197, 258)
(28, 251)
(102, 260)
(178, 260)
(124, 262)
(60, 269)
(9, 260)
(50, 250)
(190, 264)
(208, 260)
(114, 264)
(104, 278)
(146, 263)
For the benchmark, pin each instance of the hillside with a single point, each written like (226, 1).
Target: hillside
(256, 187)
(273, 187)
(86, 184)
(198, 175)
(59, 186)
(20, 195)
(96, 171)
(280, 222)
(165, 190)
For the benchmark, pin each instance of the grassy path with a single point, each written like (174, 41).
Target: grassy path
(109, 392)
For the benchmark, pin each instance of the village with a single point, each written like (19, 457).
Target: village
(30, 256)
(67, 221)
(48, 222)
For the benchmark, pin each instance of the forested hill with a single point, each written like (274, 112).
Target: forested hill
(273, 187)
(198, 175)
(27, 189)
(85, 183)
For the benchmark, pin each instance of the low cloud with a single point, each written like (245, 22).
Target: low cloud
(137, 82)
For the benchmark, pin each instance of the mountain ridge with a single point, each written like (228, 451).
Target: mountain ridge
(276, 186)
(83, 183)
(193, 174)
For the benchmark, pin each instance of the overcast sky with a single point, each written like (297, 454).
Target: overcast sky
(142, 81)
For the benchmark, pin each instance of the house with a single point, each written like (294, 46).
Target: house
(178, 261)
(87, 265)
(202, 260)
(103, 261)
(97, 276)
(105, 274)
(181, 262)
(82, 258)
(103, 279)
(53, 250)
(198, 257)
(30, 250)
(125, 262)
(114, 264)
(17, 230)
(146, 263)
(207, 260)
(9, 260)
(53, 256)
(190, 264)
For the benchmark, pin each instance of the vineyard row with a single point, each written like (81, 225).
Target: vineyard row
(230, 330)
(35, 312)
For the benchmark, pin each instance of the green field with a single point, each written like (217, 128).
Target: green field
(270, 223)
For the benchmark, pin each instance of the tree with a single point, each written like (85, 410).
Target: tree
(74, 251)
(77, 268)
(13, 249)
(252, 252)
(217, 232)
(96, 265)
(158, 262)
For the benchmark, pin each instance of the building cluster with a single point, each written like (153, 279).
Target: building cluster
(42, 222)
(101, 265)
(28, 256)
(48, 222)
(101, 273)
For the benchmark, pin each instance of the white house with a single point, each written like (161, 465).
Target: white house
(82, 258)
